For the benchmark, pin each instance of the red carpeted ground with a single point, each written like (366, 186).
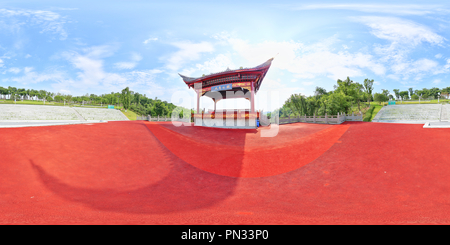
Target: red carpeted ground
(156, 173)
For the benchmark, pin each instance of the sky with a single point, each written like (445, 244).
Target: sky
(99, 47)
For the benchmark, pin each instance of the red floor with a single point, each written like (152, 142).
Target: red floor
(156, 173)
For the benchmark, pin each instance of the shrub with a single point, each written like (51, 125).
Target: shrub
(368, 115)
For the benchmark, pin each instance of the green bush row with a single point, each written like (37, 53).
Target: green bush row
(368, 115)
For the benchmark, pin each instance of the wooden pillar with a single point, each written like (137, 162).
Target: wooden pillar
(289, 119)
(198, 101)
(314, 117)
(215, 105)
(326, 118)
(252, 101)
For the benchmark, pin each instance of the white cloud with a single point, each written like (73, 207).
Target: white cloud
(27, 56)
(404, 36)
(90, 65)
(416, 69)
(125, 65)
(400, 31)
(48, 21)
(1, 63)
(150, 39)
(135, 57)
(307, 83)
(438, 56)
(14, 70)
(309, 61)
(217, 64)
(98, 52)
(91, 73)
(436, 81)
(404, 9)
(393, 77)
(64, 91)
(30, 76)
(187, 52)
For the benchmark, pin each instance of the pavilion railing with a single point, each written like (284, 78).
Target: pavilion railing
(332, 119)
(159, 118)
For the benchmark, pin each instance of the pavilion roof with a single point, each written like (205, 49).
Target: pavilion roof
(190, 80)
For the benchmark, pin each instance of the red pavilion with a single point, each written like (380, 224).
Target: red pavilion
(229, 84)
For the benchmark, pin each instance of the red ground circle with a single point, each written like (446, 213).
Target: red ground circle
(244, 153)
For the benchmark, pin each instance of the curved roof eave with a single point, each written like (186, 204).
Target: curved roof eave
(190, 80)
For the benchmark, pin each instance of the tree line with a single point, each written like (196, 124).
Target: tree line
(346, 95)
(127, 98)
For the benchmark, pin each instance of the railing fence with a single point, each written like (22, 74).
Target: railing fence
(332, 119)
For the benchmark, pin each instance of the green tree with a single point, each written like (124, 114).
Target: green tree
(357, 93)
(368, 88)
(4, 92)
(297, 103)
(159, 109)
(404, 95)
(337, 103)
(397, 93)
(126, 98)
(380, 97)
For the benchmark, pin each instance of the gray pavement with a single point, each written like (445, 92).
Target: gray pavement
(437, 125)
(39, 123)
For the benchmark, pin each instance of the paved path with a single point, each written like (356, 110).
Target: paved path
(37, 123)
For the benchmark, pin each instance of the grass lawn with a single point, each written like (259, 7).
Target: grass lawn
(376, 110)
(129, 114)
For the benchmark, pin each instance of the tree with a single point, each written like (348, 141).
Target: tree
(348, 89)
(433, 92)
(411, 92)
(404, 95)
(297, 103)
(12, 91)
(4, 92)
(337, 102)
(368, 88)
(380, 97)
(159, 109)
(397, 93)
(357, 93)
(126, 98)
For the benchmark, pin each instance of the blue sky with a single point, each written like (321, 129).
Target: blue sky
(79, 47)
